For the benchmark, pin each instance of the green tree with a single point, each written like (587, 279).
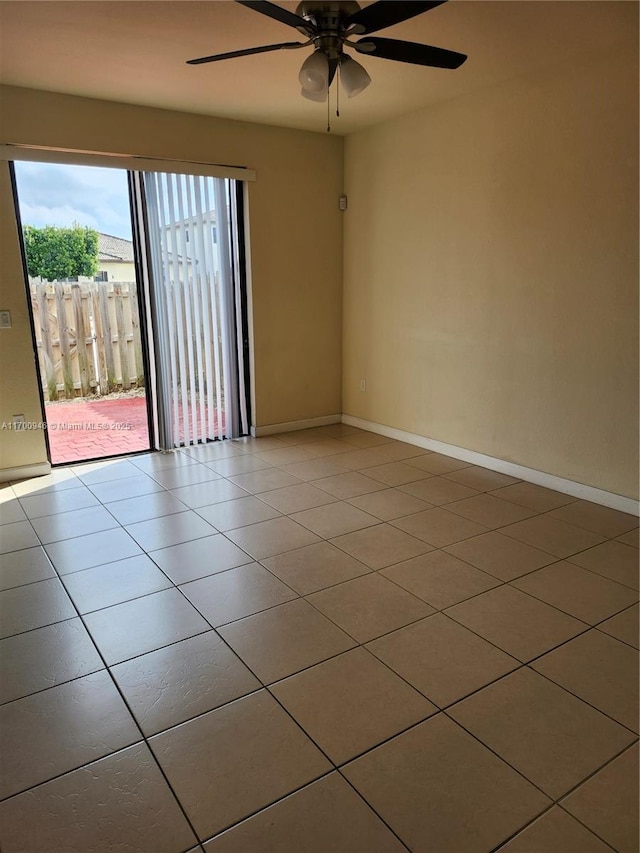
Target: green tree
(57, 253)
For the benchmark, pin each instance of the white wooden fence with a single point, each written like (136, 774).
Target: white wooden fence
(88, 337)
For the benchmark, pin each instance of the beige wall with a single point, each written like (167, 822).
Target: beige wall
(118, 270)
(295, 231)
(490, 265)
(491, 272)
(18, 378)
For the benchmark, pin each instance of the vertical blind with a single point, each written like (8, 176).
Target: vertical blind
(194, 300)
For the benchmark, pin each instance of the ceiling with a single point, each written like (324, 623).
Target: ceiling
(125, 50)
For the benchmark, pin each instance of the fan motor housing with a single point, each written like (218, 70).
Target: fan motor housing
(327, 15)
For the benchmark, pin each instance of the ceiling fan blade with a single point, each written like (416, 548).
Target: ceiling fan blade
(409, 51)
(276, 12)
(385, 13)
(234, 53)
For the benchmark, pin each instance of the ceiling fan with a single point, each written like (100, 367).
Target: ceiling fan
(329, 26)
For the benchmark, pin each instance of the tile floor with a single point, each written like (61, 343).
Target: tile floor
(321, 642)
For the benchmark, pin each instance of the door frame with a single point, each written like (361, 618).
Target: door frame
(242, 175)
(141, 318)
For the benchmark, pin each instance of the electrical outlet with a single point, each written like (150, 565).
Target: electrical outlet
(363, 384)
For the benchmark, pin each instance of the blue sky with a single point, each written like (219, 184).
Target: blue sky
(51, 194)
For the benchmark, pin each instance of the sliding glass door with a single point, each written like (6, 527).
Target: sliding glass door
(86, 309)
(190, 241)
(174, 334)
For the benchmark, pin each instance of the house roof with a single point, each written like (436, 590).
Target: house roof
(118, 249)
(114, 248)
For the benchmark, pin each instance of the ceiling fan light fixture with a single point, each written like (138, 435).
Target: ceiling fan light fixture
(320, 97)
(314, 73)
(353, 76)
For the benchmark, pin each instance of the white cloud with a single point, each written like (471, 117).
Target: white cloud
(65, 216)
(54, 194)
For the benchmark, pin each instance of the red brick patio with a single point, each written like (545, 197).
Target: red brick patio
(94, 429)
(89, 429)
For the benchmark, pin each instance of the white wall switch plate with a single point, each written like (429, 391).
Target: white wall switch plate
(5, 319)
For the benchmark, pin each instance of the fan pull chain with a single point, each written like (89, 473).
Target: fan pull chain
(338, 93)
(329, 111)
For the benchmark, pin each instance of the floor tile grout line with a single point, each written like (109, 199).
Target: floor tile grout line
(359, 644)
(584, 825)
(263, 686)
(338, 764)
(539, 548)
(556, 559)
(80, 535)
(427, 602)
(455, 723)
(566, 612)
(442, 708)
(57, 776)
(254, 560)
(332, 541)
(13, 550)
(522, 828)
(501, 758)
(595, 772)
(27, 583)
(259, 689)
(81, 487)
(586, 702)
(566, 642)
(501, 583)
(335, 767)
(420, 598)
(540, 600)
(549, 514)
(607, 634)
(535, 512)
(48, 625)
(222, 533)
(617, 613)
(537, 817)
(131, 714)
(267, 806)
(344, 630)
(521, 665)
(373, 809)
(52, 686)
(512, 654)
(560, 803)
(598, 574)
(267, 684)
(99, 565)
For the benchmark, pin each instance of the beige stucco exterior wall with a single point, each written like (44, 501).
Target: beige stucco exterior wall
(294, 221)
(491, 272)
(118, 270)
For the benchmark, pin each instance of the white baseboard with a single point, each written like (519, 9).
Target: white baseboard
(24, 472)
(292, 426)
(530, 475)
